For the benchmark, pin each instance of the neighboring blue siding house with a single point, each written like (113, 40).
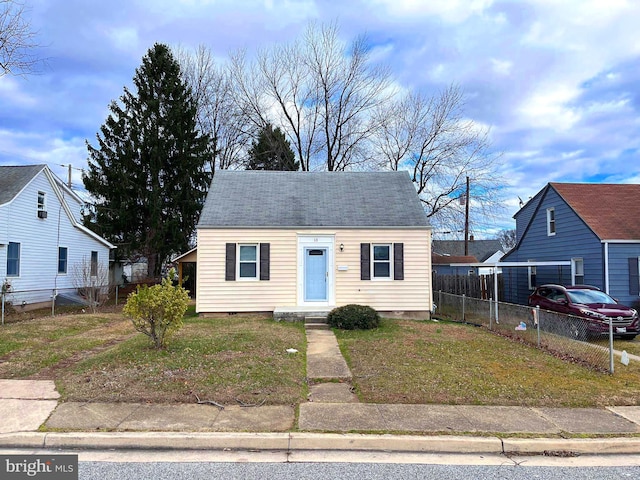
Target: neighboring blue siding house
(596, 227)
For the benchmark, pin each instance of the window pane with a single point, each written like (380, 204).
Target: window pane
(40, 200)
(13, 259)
(94, 264)
(381, 252)
(62, 260)
(247, 253)
(381, 269)
(248, 270)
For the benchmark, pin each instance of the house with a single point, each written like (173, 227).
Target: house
(481, 251)
(595, 227)
(309, 241)
(445, 264)
(43, 244)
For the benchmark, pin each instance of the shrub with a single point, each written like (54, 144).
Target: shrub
(158, 311)
(353, 317)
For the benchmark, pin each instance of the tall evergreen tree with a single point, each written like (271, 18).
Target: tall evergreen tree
(272, 151)
(148, 174)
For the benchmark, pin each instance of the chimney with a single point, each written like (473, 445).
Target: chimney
(471, 238)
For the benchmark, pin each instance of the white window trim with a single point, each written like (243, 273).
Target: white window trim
(574, 270)
(317, 241)
(42, 207)
(373, 262)
(248, 279)
(97, 264)
(551, 211)
(531, 271)
(66, 272)
(19, 260)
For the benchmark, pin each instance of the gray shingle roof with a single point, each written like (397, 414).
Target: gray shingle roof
(14, 179)
(481, 249)
(263, 199)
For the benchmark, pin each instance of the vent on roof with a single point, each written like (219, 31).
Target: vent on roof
(42, 214)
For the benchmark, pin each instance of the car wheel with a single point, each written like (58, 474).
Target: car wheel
(629, 337)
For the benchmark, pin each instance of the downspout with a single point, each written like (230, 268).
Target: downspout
(606, 267)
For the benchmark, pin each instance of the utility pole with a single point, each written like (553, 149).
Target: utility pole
(466, 221)
(69, 182)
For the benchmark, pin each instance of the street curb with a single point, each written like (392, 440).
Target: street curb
(604, 446)
(395, 443)
(299, 441)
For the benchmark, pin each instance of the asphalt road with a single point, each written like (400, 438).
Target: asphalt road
(130, 464)
(346, 471)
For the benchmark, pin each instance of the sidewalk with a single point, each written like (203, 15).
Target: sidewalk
(332, 419)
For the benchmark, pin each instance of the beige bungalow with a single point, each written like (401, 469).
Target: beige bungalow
(310, 241)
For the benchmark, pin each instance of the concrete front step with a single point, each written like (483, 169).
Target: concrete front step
(316, 325)
(293, 314)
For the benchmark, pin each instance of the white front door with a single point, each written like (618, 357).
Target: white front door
(315, 270)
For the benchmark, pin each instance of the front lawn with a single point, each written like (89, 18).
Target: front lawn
(431, 362)
(232, 360)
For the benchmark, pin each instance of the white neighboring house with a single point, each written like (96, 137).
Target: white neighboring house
(43, 243)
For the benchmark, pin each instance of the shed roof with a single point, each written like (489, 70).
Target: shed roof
(480, 249)
(610, 210)
(14, 178)
(268, 199)
(437, 259)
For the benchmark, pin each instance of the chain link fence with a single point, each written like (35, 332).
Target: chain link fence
(91, 298)
(568, 337)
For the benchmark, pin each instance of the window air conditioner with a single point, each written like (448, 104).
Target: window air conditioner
(42, 214)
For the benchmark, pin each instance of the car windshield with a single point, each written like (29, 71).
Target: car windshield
(589, 296)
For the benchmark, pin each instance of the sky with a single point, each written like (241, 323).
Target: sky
(556, 82)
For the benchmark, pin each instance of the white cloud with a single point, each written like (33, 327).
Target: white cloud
(548, 107)
(502, 67)
(124, 38)
(455, 11)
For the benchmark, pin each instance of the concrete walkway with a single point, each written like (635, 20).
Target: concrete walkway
(327, 371)
(26, 404)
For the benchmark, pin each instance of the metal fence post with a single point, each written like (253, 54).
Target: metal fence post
(537, 320)
(463, 313)
(440, 299)
(116, 294)
(491, 314)
(53, 303)
(2, 308)
(611, 345)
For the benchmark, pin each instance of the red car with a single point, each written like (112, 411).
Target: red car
(590, 303)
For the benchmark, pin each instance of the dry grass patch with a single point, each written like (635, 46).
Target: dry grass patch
(230, 361)
(36, 348)
(101, 358)
(429, 362)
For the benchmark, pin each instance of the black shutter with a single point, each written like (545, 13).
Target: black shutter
(365, 261)
(634, 278)
(398, 261)
(230, 262)
(264, 261)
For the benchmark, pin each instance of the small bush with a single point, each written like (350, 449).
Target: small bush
(353, 317)
(157, 311)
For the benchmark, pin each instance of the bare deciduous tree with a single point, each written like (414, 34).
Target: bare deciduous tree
(321, 91)
(17, 40)
(340, 111)
(429, 137)
(219, 114)
(91, 279)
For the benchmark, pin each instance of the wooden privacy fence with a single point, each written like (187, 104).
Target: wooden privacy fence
(476, 286)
